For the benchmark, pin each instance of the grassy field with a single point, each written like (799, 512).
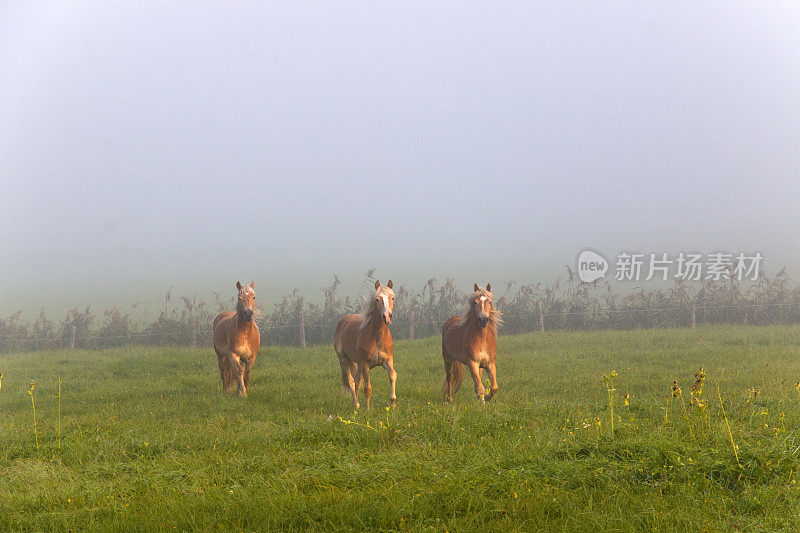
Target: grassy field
(149, 442)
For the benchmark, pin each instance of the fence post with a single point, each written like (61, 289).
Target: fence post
(411, 327)
(72, 338)
(693, 317)
(541, 316)
(302, 330)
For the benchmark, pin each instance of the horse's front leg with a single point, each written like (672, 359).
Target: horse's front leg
(238, 370)
(247, 370)
(354, 389)
(389, 366)
(491, 369)
(367, 384)
(475, 371)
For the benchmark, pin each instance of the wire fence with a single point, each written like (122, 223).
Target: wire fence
(544, 316)
(563, 305)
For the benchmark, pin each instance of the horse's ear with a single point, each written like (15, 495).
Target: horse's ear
(389, 284)
(475, 288)
(238, 286)
(377, 284)
(489, 287)
(253, 285)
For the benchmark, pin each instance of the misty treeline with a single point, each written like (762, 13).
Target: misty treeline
(567, 304)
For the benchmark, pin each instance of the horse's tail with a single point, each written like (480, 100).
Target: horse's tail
(457, 372)
(347, 373)
(337, 337)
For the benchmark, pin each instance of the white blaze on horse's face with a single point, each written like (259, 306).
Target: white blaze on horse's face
(483, 306)
(247, 300)
(385, 298)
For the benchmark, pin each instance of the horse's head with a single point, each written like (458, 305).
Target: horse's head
(384, 300)
(482, 303)
(247, 300)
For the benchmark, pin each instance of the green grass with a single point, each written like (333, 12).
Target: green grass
(149, 442)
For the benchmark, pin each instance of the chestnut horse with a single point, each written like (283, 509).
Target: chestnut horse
(237, 340)
(471, 340)
(363, 341)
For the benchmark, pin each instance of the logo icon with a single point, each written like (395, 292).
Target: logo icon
(591, 266)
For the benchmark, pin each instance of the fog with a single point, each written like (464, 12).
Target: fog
(147, 145)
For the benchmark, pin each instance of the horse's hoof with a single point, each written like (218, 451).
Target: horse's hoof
(393, 403)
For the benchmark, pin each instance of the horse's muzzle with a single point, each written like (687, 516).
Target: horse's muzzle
(248, 315)
(387, 317)
(483, 321)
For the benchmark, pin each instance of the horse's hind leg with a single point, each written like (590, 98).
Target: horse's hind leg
(449, 378)
(357, 376)
(389, 366)
(349, 371)
(224, 371)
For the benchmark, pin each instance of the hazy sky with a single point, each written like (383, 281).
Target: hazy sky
(148, 145)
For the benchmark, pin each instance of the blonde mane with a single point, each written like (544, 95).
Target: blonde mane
(495, 316)
(369, 311)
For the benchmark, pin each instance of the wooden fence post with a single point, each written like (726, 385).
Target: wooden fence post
(411, 327)
(541, 316)
(302, 330)
(693, 317)
(72, 338)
